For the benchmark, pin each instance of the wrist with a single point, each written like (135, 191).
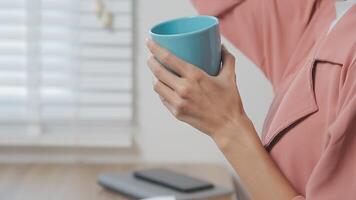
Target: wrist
(236, 132)
(242, 147)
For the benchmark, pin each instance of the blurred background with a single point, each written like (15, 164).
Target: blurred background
(74, 85)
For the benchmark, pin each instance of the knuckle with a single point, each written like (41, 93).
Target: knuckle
(156, 86)
(166, 57)
(184, 91)
(149, 61)
(156, 70)
(181, 105)
(177, 113)
(196, 75)
(180, 109)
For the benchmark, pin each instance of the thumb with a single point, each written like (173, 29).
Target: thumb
(228, 63)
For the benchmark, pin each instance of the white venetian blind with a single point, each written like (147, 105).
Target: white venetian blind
(64, 77)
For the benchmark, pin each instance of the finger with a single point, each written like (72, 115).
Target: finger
(175, 111)
(162, 99)
(228, 63)
(168, 106)
(168, 59)
(165, 92)
(162, 74)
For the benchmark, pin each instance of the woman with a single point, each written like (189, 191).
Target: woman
(307, 49)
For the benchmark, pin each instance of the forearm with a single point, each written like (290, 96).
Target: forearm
(259, 174)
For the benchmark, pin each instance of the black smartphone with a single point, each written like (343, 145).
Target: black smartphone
(173, 180)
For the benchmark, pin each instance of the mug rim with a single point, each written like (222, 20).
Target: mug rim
(215, 19)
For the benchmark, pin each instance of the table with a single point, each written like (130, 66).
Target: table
(78, 181)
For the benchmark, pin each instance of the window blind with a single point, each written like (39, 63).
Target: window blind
(65, 79)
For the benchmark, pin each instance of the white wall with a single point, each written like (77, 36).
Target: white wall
(163, 138)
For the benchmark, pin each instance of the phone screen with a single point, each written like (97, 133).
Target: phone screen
(173, 180)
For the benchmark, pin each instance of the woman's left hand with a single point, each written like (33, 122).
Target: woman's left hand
(208, 103)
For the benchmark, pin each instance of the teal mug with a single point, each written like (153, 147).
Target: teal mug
(195, 40)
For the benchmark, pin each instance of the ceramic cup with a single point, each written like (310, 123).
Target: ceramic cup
(194, 39)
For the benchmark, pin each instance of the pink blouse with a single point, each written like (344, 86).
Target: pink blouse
(310, 130)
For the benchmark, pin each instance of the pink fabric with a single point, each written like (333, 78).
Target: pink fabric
(310, 130)
(298, 198)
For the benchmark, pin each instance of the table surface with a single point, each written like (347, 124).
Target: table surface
(78, 181)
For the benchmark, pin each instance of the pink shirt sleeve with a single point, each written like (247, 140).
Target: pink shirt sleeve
(265, 31)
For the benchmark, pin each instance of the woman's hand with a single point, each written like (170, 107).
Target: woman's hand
(213, 105)
(208, 103)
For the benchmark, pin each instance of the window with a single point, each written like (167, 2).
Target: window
(65, 78)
